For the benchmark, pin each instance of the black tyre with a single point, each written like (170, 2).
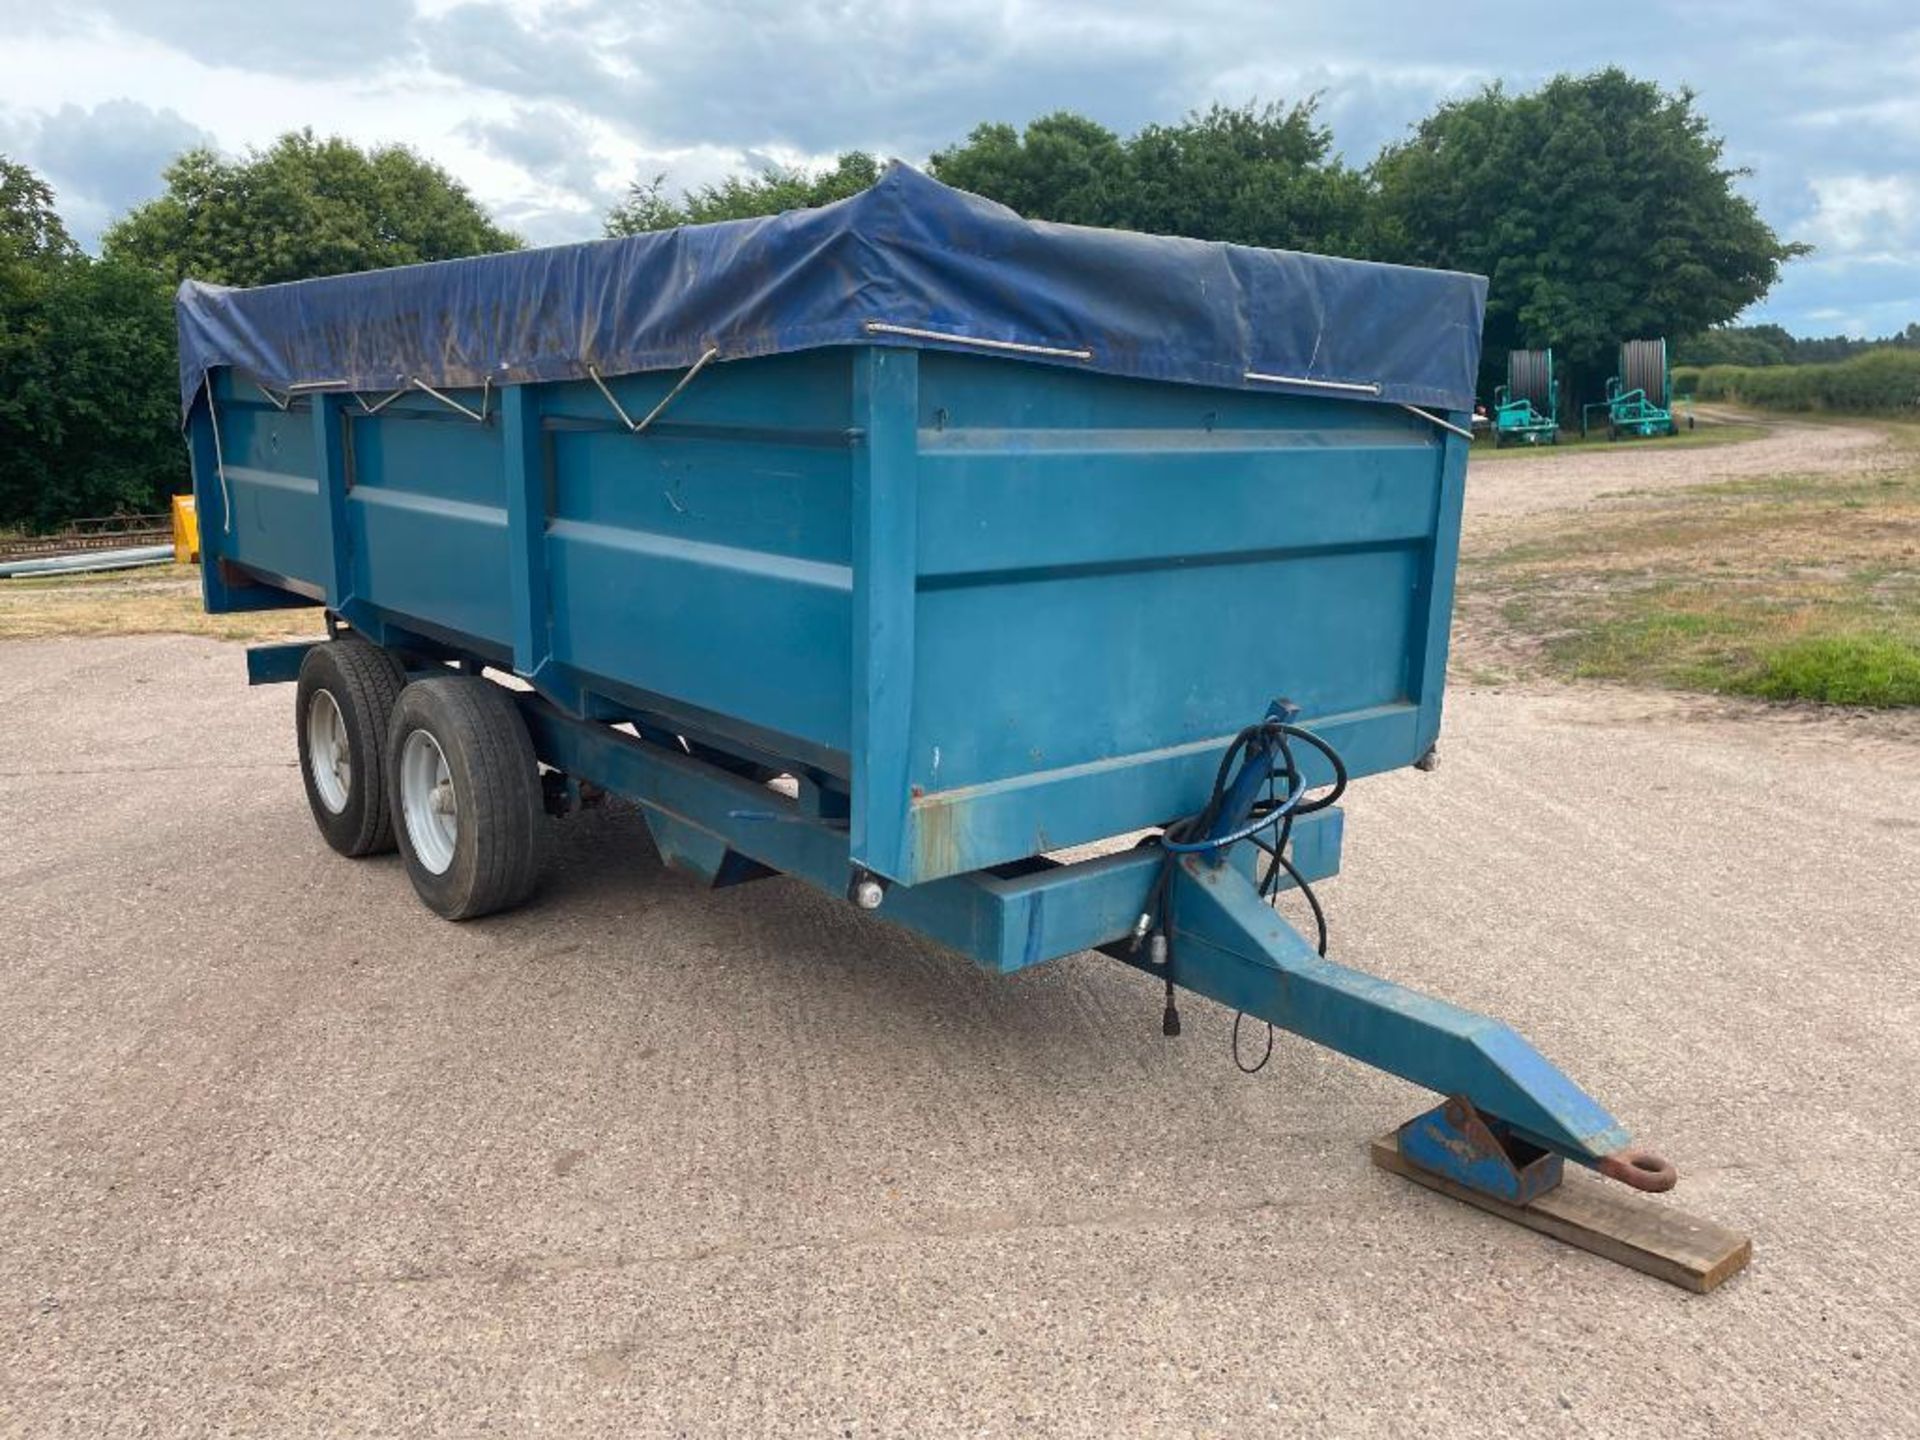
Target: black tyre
(465, 793)
(345, 698)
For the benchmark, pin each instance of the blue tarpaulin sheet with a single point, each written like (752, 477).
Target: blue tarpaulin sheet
(907, 255)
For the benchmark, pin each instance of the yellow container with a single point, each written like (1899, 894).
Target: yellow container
(186, 531)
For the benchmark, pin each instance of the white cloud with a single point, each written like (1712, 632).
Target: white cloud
(545, 108)
(99, 159)
(1865, 216)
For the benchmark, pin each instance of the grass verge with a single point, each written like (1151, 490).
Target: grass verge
(1787, 587)
(1710, 432)
(161, 600)
(1847, 669)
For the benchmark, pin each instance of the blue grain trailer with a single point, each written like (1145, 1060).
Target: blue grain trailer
(895, 546)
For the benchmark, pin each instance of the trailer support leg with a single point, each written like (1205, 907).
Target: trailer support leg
(1647, 1235)
(1453, 1139)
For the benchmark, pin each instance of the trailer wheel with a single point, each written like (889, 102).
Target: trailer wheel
(465, 788)
(342, 706)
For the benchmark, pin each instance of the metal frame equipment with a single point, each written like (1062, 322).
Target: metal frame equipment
(1526, 410)
(1640, 397)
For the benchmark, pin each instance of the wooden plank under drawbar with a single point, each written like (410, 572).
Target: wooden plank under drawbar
(1606, 1218)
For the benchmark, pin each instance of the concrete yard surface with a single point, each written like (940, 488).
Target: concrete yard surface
(281, 1153)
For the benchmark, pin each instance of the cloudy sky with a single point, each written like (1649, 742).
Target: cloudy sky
(546, 108)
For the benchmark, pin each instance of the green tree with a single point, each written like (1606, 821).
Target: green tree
(1598, 205)
(87, 379)
(1736, 345)
(1250, 174)
(1751, 346)
(27, 273)
(1062, 167)
(738, 197)
(112, 350)
(1256, 174)
(30, 227)
(302, 207)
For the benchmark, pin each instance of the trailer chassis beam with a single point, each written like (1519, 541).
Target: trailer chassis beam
(1227, 942)
(723, 827)
(1509, 1119)
(1507, 1103)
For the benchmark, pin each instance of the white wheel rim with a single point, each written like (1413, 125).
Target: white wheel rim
(427, 801)
(328, 759)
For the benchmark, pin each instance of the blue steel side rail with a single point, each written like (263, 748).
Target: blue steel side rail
(707, 820)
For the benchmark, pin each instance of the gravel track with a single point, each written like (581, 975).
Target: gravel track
(283, 1154)
(1502, 491)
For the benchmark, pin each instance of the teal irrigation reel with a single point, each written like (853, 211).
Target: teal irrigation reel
(1640, 397)
(1526, 410)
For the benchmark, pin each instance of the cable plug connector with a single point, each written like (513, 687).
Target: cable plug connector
(1170, 1017)
(1140, 928)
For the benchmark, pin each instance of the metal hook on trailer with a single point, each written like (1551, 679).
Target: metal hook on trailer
(1641, 1169)
(367, 409)
(637, 427)
(1431, 418)
(1355, 387)
(1014, 347)
(480, 415)
(1349, 387)
(282, 401)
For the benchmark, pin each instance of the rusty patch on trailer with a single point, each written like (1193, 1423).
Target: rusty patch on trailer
(1456, 1141)
(1642, 1169)
(1458, 1146)
(1470, 1141)
(936, 825)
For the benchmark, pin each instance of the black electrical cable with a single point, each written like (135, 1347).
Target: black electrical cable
(1276, 812)
(1265, 1055)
